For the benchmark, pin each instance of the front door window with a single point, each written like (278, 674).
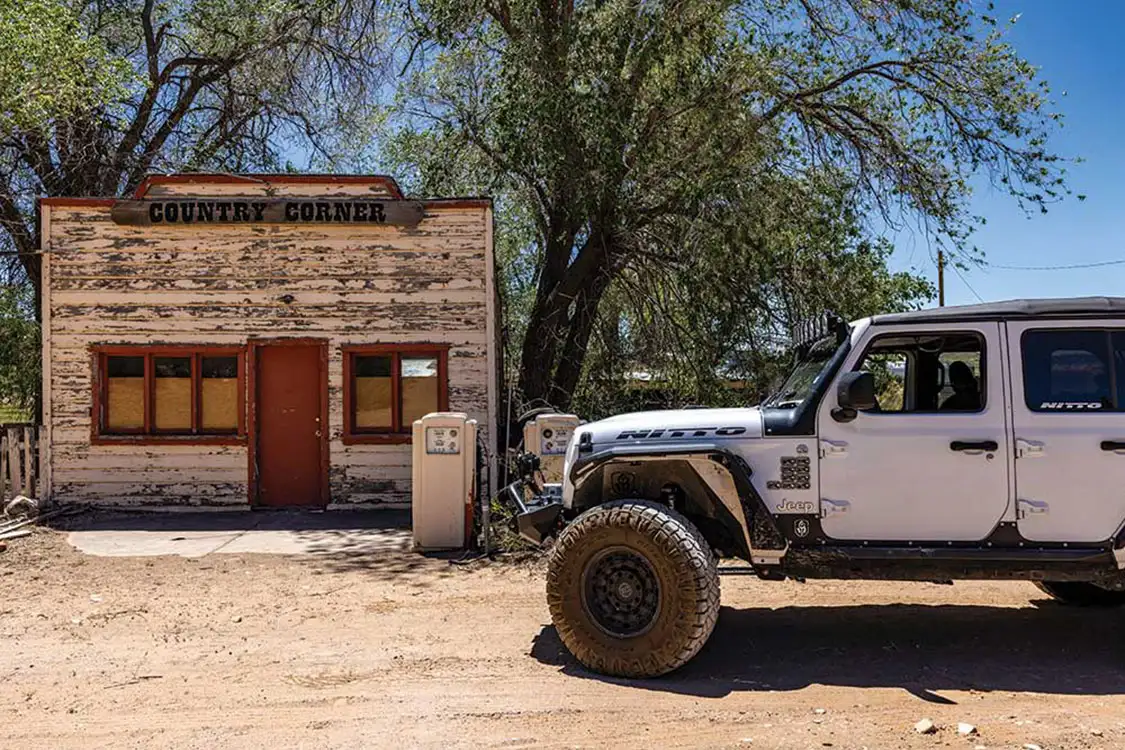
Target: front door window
(930, 372)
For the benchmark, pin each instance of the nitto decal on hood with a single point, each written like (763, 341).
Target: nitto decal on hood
(675, 424)
(680, 432)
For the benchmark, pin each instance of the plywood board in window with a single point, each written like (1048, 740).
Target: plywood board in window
(173, 404)
(419, 398)
(372, 403)
(126, 407)
(220, 404)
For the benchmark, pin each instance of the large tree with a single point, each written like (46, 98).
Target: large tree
(713, 326)
(623, 130)
(227, 85)
(49, 68)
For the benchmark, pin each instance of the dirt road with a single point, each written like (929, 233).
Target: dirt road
(340, 652)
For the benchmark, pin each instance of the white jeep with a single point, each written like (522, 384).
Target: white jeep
(984, 441)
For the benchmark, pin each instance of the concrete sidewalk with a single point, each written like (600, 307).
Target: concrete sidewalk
(108, 534)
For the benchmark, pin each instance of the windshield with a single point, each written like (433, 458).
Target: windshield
(806, 375)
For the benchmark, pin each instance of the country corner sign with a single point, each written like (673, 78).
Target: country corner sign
(185, 211)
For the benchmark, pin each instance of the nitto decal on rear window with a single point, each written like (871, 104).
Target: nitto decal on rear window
(1069, 405)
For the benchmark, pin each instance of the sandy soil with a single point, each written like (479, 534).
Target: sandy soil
(402, 651)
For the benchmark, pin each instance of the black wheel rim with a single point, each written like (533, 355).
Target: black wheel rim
(620, 592)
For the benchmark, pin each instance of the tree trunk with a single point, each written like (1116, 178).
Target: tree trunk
(561, 322)
(569, 371)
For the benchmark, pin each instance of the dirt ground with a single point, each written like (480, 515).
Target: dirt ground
(350, 651)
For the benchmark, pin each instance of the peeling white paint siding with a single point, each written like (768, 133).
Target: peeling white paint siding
(223, 284)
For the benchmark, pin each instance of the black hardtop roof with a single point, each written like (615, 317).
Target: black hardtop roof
(1065, 307)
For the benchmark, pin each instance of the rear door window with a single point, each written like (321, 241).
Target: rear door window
(1070, 370)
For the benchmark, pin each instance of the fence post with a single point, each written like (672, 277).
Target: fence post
(3, 465)
(14, 459)
(29, 476)
(40, 463)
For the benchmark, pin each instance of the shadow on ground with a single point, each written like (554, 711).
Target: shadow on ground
(236, 520)
(1047, 648)
(371, 541)
(344, 552)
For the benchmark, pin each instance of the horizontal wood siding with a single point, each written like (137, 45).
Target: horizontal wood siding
(220, 285)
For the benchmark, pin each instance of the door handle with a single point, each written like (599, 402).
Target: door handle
(1028, 448)
(1113, 445)
(974, 445)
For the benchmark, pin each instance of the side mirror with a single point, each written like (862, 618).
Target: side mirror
(854, 393)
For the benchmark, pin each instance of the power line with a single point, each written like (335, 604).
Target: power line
(966, 282)
(1098, 264)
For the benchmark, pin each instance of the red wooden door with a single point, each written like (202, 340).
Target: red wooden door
(290, 424)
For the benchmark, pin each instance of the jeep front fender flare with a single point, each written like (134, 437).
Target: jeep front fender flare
(727, 476)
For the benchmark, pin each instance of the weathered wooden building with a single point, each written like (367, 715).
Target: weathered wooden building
(262, 340)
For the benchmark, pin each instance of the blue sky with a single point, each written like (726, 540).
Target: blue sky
(1077, 44)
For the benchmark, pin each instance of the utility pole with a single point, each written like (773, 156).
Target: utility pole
(940, 278)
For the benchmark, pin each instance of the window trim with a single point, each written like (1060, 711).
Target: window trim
(1111, 364)
(398, 434)
(980, 336)
(149, 434)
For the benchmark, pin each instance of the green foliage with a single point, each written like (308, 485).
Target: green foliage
(19, 349)
(713, 327)
(676, 181)
(685, 177)
(179, 85)
(49, 67)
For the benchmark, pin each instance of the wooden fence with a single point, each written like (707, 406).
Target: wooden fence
(19, 460)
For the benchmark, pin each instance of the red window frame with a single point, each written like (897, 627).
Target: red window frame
(398, 433)
(149, 434)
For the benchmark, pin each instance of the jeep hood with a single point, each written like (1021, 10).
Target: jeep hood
(674, 425)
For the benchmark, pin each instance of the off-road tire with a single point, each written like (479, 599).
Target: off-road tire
(1081, 593)
(679, 559)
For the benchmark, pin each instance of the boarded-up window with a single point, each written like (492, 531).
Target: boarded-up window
(172, 394)
(157, 391)
(374, 392)
(125, 393)
(419, 387)
(388, 387)
(218, 394)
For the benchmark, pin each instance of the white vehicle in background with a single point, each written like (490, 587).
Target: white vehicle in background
(984, 441)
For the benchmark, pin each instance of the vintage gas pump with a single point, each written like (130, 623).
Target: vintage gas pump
(547, 436)
(444, 480)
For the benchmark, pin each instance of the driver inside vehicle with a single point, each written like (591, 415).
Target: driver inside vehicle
(966, 389)
(926, 373)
